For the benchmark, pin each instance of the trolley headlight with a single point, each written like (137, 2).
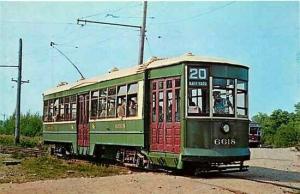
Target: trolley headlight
(225, 127)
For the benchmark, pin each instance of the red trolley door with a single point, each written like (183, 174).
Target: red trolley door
(83, 131)
(165, 115)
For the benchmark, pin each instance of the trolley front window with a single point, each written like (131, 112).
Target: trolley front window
(242, 88)
(216, 91)
(198, 91)
(223, 97)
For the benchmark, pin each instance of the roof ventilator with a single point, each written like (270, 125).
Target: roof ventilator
(113, 70)
(62, 84)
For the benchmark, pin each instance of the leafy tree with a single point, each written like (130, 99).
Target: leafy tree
(31, 125)
(287, 135)
(297, 108)
(281, 128)
(278, 118)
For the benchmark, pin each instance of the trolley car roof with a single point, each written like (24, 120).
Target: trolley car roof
(151, 64)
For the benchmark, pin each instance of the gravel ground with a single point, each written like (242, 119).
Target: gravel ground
(271, 171)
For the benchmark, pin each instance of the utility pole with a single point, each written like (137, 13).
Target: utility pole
(143, 32)
(19, 82)
(141, 28)
(17, 127)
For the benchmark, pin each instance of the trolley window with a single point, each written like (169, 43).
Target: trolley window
(111, 99)
(198, 91)
(117, 101)
(46, 110)
(73, 106)
(121, 100)
(242, 88)
(132, 105)
(61, 110)
(94, 104)
(67, 108)
(223, 97)
(55, 111)
(102, 113)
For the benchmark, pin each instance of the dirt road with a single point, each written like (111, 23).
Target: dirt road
(271, 171)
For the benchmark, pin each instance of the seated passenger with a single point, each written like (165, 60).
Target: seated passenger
(103, 113)
(132, 108)
(111, 109)
(219, 103)
(193, 108)
(121, 109)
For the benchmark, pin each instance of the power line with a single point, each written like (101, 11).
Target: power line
(110, 12)
(141, 28)
(148, 44)
(195, 16)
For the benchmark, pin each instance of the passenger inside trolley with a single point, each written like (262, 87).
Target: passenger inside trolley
(222, 105)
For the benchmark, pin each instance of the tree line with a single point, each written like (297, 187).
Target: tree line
(280, 128)
(31, 125)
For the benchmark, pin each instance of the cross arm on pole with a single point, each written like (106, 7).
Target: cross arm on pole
(22, 82)
(106, 23)
(9, 66)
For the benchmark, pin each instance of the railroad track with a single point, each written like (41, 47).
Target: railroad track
(33, 152)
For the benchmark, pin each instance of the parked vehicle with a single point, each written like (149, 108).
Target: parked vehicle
(254, 134)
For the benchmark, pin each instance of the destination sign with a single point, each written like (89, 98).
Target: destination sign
(197, 83)
(197, 76)
(197, 73)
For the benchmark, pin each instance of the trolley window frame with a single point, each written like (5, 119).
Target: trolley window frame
(204, 87)
(210, 84)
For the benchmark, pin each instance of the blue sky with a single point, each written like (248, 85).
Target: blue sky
(263, 35)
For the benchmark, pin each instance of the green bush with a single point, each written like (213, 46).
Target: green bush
(281, 128)
(287, 135)
(31, 125)
(31, 142)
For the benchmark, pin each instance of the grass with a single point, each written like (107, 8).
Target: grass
(48, 167)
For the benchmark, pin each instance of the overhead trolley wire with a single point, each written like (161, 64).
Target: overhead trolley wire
(109, 13)
(195, 16)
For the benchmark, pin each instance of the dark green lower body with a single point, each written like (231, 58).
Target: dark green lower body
(199, 157)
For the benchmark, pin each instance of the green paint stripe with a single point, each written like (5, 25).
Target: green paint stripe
(60, 132)
(123, 144)
(114, 132)
(163, 154)
(52, 140)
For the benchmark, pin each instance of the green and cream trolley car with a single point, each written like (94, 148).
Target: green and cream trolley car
(182, 112)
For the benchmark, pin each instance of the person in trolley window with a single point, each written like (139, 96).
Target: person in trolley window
(121, 109)
(221, 105)
(132, 108)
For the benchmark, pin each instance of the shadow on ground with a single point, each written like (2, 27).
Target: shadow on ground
(269, 174)
(254, 173)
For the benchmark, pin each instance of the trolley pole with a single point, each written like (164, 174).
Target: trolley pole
(143, 30)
